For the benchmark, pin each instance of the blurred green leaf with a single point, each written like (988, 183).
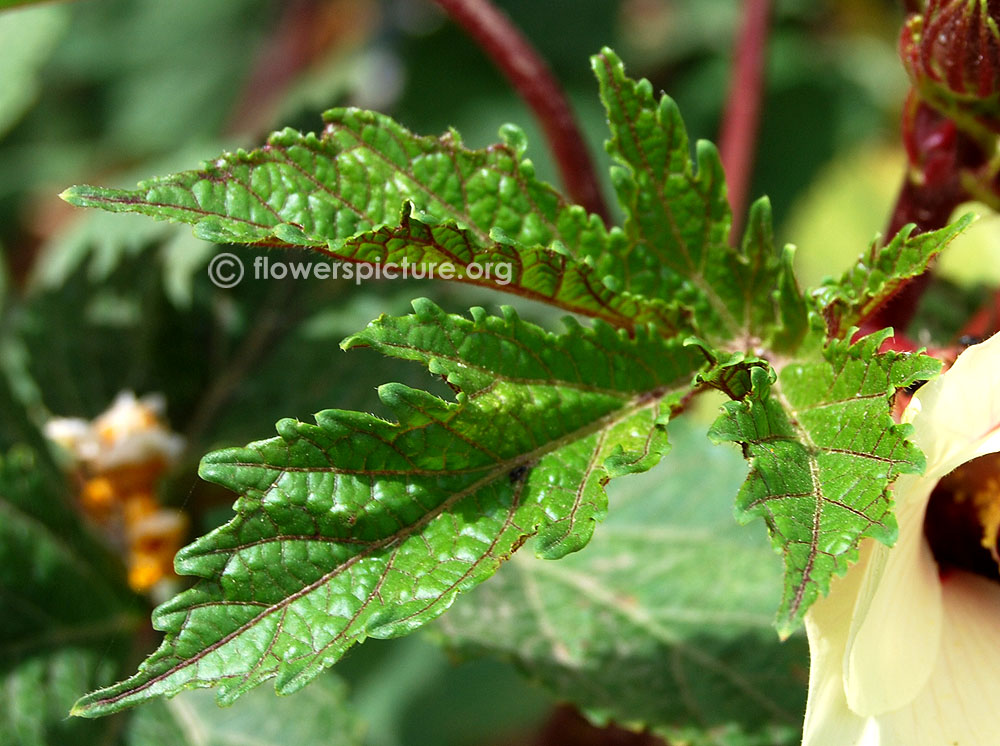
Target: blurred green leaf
(636, 630)
(16, 3)
(85, 340)
(67, 619)
(166, 74)
(838, 214)
(319, 716)
(412, 693)
(973, 258)
(27, 38)
(20, 397)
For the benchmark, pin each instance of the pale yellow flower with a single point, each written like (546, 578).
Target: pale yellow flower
(902, 656)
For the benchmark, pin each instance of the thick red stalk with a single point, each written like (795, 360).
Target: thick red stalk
(938, 152)
(951, 52)
(929, 211)
(531, 77)
(741, 120)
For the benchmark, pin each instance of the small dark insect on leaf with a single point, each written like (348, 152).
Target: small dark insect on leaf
(518, 544)
(518, 473)
(915, 386)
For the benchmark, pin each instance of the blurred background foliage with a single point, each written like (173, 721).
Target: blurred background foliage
(114, 91)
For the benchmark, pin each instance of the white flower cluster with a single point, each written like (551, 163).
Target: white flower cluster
(131, 431)
(119, 458)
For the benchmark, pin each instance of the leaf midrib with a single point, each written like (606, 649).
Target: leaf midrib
(695, 272)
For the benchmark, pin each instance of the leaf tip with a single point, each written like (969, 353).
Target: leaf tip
(85, 708)
(426, 310)
(76, 196)
(606, 53)
(604, 62)
(355, 340)
(514, 137)
(786, 629)
(791, 616)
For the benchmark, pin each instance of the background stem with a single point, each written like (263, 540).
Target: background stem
(741, 120)
(938, 154)
(534, 81)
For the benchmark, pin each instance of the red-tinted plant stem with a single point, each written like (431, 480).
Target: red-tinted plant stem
(282, 57)
(931, 190)
(534, 81)
(912, 206)
(929, 211)
(741, 120)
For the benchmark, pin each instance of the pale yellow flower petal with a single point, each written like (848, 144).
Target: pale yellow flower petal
(961, 701)
(893, 640)
(894, 636)
(828, 719)
(957, 416)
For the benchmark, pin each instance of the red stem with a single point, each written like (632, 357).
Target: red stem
(281, 58)
(929, 211)
(938, 153)
(531, 77)
(741, 120)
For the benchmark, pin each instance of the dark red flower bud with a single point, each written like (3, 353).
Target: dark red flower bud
(952, 54)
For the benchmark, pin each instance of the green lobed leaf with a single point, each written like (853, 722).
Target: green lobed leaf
(320, 191)
(678, 221)
(632, 631)
(411, 692)
(358, 527)
(823, 450)
(341, 193)
(536, 273)
(875, 277)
